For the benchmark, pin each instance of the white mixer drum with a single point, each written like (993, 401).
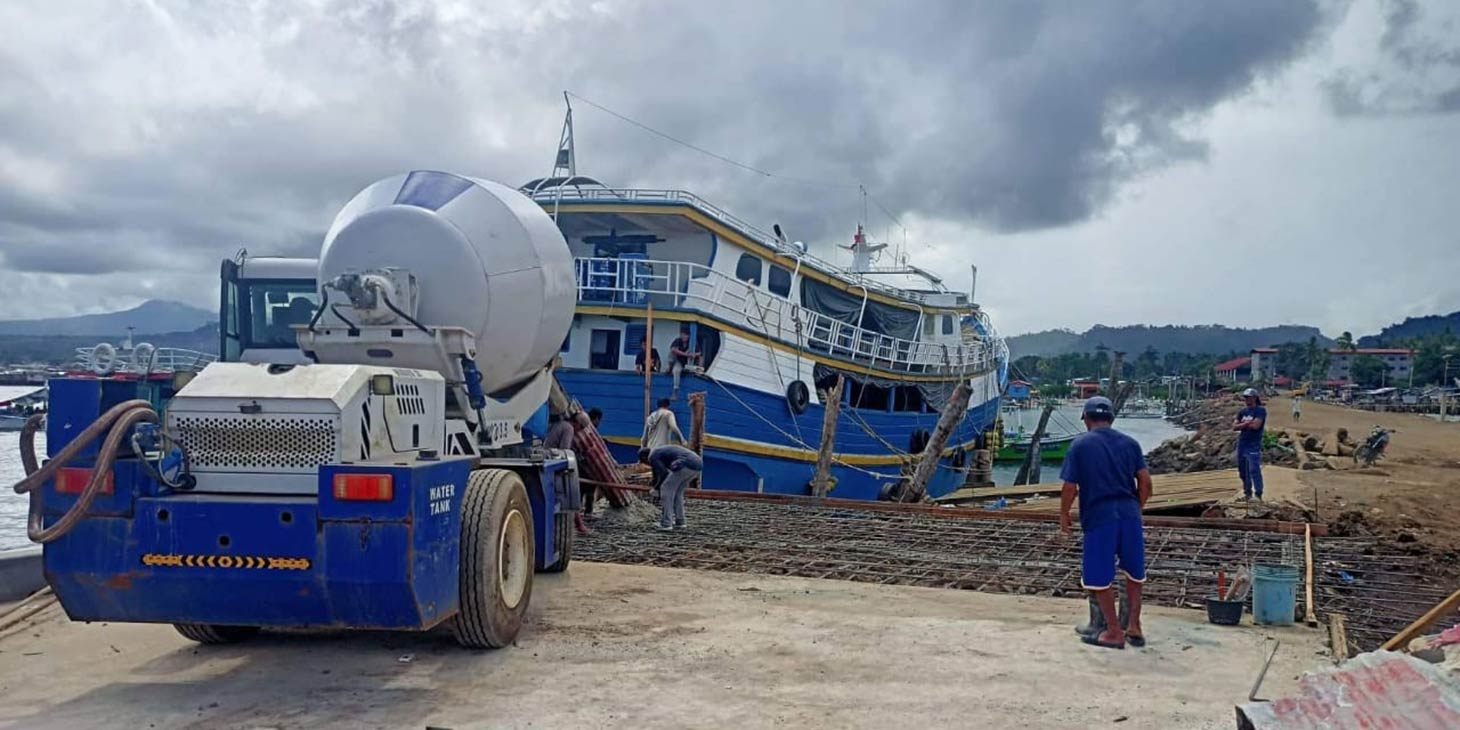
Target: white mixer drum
(486, 258)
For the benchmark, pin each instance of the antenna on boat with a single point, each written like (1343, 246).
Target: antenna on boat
(566, 161)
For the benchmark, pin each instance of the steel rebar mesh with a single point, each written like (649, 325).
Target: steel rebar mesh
(1384, 590)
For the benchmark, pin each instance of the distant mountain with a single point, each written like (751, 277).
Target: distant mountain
(1434, 324)
(1211, 339)
(149, 318)
(61, 349)
(1043, 344)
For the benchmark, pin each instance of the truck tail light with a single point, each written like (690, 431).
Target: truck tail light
(72, 480)
(364, 487)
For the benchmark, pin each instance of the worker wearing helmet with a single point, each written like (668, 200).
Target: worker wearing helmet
(1249, 427)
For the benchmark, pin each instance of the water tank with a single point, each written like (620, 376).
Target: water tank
(486, 258)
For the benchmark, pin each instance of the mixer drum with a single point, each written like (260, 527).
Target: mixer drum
(486, 259)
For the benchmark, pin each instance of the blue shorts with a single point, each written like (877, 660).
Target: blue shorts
(1107, 544)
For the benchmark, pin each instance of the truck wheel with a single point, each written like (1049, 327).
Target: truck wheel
(564, 533)
(496, 564)
(215, 633)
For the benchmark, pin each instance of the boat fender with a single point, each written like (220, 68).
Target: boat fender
(918, 441)
(144, 358)
(798, 396)
(103, 359)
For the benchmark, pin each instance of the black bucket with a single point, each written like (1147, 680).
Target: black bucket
(1225, 613)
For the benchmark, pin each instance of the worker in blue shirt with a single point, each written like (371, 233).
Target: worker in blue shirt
(1106, 470)
(1249, 426)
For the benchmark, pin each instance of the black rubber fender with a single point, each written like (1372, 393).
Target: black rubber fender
(798, 396)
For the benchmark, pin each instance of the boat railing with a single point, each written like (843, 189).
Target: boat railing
(550, 196)
(682, 284)
(142, 361)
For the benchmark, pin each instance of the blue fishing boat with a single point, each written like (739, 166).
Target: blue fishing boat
(772, 327)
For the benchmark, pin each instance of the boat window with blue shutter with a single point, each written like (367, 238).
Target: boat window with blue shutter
(748, 269)
(779, 281)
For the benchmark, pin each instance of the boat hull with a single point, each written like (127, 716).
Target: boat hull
(754, 443)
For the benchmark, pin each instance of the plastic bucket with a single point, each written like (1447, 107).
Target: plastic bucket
(1225, 613)
(1274, 594)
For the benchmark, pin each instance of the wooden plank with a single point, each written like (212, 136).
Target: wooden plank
(1338, 638)
(1410, 632)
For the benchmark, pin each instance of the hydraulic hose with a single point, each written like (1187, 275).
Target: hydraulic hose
(115, 424)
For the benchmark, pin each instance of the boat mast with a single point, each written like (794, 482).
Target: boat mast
(565, 162)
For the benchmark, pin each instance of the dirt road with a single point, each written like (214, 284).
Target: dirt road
(1413, 495)
(631, 647)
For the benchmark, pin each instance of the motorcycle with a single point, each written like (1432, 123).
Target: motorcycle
(1373, 447)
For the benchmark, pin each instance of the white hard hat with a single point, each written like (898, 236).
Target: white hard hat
(1249, 393)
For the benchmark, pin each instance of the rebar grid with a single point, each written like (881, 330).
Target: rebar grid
(1384, 591)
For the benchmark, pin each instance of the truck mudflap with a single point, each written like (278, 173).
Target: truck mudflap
(386, 559)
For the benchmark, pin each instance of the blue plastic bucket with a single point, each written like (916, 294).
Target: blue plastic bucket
(1274, 594)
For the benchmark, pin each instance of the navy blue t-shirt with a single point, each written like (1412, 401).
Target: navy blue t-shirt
(1103, 463)
(1251, 439)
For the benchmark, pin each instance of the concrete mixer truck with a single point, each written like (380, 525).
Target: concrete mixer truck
(382, 482)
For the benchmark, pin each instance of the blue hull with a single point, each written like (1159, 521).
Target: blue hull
(772, 449)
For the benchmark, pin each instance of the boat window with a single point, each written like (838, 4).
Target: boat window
(947, 324)
(779, 281)
(748, 269)
(603, 350)
(928, 322)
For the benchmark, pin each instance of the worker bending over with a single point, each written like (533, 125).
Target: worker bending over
(1107, 471)
(680, 466)
(560, 437)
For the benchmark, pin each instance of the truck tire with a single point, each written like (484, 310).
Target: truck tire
(497, 554)
(564, 534)
(215, 633)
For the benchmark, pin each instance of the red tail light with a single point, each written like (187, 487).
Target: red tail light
(364, 487)
(71, 480)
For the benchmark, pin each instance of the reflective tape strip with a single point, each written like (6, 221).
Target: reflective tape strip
(232, 562)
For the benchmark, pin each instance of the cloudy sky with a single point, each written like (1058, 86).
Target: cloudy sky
(1246, 162)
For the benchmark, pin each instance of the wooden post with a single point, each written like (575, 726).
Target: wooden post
(1309, 617)
(1402, 639)
(953, 412)
(697, 429)
(1029, 470)
(821, 482)
(648, 362)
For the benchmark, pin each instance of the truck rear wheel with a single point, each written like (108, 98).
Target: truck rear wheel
(497, 556)
(215, 633)
(564, 534)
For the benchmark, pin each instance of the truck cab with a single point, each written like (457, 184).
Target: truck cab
(262, 297)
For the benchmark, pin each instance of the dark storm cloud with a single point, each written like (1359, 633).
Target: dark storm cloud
(179, 135)
(1418, 73)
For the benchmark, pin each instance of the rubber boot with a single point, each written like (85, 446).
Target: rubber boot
(1095, 624)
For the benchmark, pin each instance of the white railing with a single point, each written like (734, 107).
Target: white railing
(680, 284)
(548, 197)
(106, 359)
